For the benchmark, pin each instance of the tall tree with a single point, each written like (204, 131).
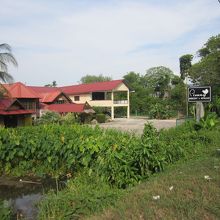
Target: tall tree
(207, 70)
(6, 57)
(93, 78)
(185, 64)
(53, 84)
(159, 79)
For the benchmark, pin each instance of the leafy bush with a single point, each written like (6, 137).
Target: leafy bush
(69, 119)
(120, 159)
(49, 118)
(210, 121)
(101, 118)
(161, 111)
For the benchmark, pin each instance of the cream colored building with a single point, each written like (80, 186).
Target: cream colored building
(111, 94)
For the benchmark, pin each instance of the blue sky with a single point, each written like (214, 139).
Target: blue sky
(65, 40)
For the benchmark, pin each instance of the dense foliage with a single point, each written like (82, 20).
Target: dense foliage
(86, 194)
(118, 158)
(185, 64)
(207, 70)
(50, 117)
(158, 87)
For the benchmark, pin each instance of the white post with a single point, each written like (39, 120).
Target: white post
(128, 108)
(199, 111)
(112, 107)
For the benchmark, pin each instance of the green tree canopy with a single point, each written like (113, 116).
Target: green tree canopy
(207, 70)
(53, 84)
(159, 79)
(94, 78)
(185, 64)
(143, 99)
(6, 57)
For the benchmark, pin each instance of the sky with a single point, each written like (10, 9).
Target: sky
(66, 40)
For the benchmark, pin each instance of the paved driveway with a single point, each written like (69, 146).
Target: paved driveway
(137, 125)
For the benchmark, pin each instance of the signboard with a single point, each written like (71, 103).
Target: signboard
(199, 94)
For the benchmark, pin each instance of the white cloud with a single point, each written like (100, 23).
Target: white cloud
(65, 44)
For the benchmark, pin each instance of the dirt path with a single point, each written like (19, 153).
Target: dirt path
(137, 125)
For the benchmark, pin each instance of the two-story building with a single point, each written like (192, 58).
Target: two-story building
(111, 94)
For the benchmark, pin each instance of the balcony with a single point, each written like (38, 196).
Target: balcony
(120, 102)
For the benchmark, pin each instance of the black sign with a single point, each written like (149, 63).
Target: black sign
(199, 94)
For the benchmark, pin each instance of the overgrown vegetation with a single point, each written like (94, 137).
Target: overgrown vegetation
(83, 196)
(186, 190)
(119, 158)
(156, 152)
(50, 117)
(101, 162)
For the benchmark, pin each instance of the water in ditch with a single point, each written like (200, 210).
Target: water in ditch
(23, 194)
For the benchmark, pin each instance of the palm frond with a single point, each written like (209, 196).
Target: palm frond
(5, 47)
(6, 77)
(3, 66)
(8, 58)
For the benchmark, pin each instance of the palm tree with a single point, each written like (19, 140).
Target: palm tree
(6, 57)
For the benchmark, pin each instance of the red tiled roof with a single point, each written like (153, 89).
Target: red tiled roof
(64, 108)
(16, 112)
(19, 90)
(91, 87)
(5, 103)
(47, 94)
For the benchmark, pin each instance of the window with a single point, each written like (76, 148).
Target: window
(60, 102)
(76, 98)
(98, 96)
(29, 105)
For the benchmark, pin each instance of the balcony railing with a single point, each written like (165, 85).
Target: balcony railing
(120, 102)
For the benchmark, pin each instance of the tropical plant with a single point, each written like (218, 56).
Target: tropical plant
(6, 57)
(49, 117)
(207, 70)
(185, 64)
(101, 118)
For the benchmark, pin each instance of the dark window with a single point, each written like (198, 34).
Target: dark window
(29, 105)
(59, 102)
(98, 96)
(76, 98)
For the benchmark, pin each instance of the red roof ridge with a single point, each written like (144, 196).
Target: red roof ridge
(93, 83)
(19, 90)
(92, 87)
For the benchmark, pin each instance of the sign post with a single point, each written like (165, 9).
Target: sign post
(199, 95)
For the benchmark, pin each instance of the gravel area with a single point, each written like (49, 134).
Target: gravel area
(136, 125)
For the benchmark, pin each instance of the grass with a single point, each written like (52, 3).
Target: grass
(83, 196)
(192, 196)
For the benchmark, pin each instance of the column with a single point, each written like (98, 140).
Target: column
(112, 107)
(128, 108)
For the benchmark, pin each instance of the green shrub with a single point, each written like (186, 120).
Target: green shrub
(120, 159)
(69, 119)
(161, 111)
(48, 118)
(101, 118)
